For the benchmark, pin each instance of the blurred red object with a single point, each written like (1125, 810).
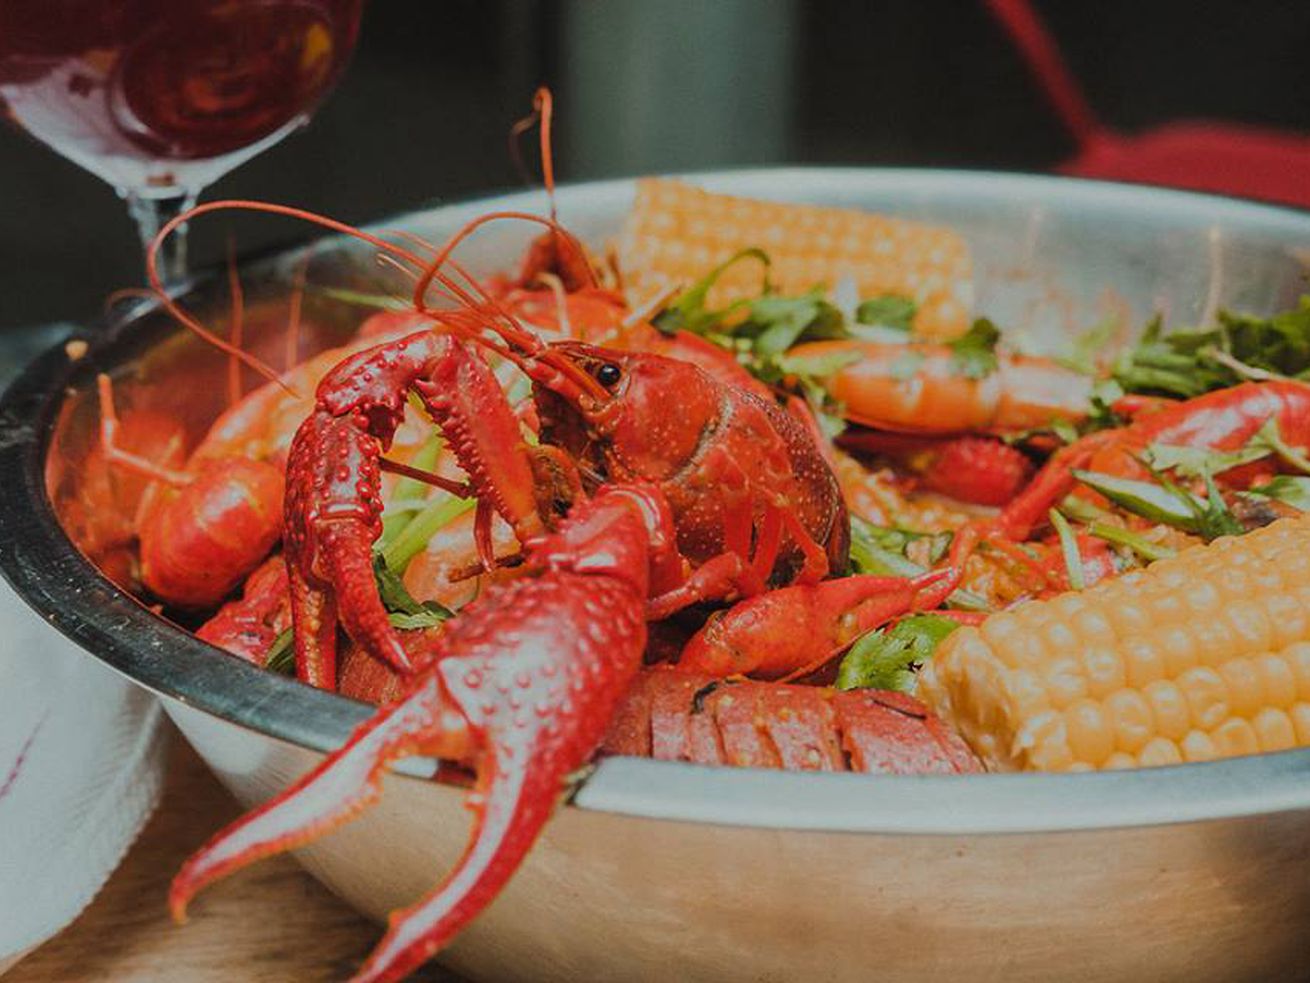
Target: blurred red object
(1229, 158)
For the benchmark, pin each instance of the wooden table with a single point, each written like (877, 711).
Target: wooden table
(272, 922)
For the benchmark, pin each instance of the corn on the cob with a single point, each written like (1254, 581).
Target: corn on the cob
(676, 233)
(1199, 656)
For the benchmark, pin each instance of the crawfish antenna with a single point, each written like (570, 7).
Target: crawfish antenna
(238, 318)
(173, 308)
(542, 111)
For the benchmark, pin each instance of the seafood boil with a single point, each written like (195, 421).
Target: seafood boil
(756, 487)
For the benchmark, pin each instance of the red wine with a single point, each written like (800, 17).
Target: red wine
(140, 91)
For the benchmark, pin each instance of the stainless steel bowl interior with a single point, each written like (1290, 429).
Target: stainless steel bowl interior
(1052, 256)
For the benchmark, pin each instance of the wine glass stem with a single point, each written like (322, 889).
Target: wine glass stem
(152, 213)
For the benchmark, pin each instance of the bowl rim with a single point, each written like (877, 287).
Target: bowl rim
(56, 580)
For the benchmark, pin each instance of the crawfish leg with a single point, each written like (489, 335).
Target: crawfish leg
(314, 614)
(794, 630)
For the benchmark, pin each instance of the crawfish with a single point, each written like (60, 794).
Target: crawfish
(1222, 420)
(719, 496)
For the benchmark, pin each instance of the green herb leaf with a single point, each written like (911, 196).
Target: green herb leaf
(1271, 439)
(688, 311)
(1294, 490)
(1168, 504)
(1087, 347)
(1151, 501)
(973, 354)
(870, 555)
(887, 311)
(777, 322)
(397, 599)
(427, 618)
(816, 366)
(1194, 462)
(1190, 361)
(1073, 560)
(891, 658)
(1216, 517)
(281, 655)
(1119, 536)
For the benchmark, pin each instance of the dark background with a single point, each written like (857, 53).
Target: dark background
(423, 112)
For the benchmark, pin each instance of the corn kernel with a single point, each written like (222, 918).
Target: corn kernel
(1288, 619)
(1065, 681)
(1215, 642)
(1093, 628)
(1059, 637)
(1245, 689)
(1001, 629)
(1044, 741)
(1130, 716)
(1027, 693)
(1159, 751)
(1066, 607)
(1206, 695)
(1202, 597)
(1167, 609)
(1235, 737)
(1179, 650)
(1273, 730)
(1198, 746)
(1143, 662)
(1278, 685)
(1090, 736)
(1297, 657)
(1300, 714)
(1119, 760)
(1105, 671)
(1250, 623)
(1130, 620)
(1169, 708)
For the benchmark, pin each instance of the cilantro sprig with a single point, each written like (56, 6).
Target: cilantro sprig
(1188, 362)
(974, 353)
(891, 658)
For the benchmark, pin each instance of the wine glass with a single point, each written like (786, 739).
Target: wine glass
(162, 97)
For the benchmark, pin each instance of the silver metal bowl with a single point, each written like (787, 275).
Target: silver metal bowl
(667, 871)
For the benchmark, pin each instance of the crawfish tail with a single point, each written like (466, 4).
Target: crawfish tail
(679, 717)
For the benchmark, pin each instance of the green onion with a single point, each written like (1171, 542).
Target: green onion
(413, 539)
(407, 489)
(1073, 561)
(1144, 498)
(282, 654)
(1140, 545)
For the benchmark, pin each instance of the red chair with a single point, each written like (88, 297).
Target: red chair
(1230, 158)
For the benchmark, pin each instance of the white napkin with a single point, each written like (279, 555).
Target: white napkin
(81, 764)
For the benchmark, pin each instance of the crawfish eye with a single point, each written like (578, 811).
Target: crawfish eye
(608, 374)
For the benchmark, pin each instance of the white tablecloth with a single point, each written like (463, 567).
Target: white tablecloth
(81, 763)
